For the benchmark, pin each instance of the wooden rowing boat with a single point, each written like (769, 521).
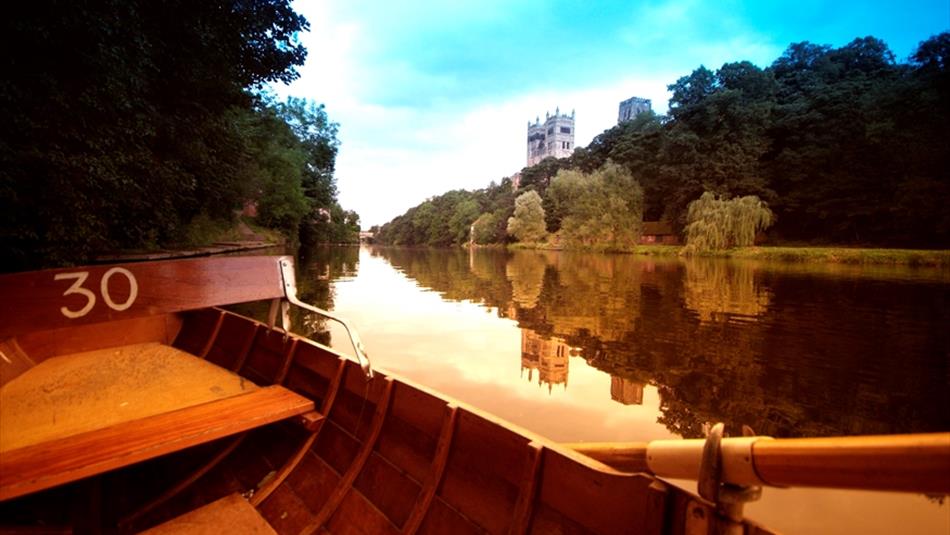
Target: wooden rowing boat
(131, 402)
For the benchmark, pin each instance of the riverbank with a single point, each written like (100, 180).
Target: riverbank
(205, 240)
(831, 255)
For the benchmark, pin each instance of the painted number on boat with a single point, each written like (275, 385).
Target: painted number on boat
(77, 288)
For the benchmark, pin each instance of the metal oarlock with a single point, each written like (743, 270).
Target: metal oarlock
(290, 294)
(729, 498)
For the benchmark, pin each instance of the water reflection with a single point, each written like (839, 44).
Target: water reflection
(547, 358)
(790, 353)
(620, 348)
(626, 391)
(720, 291)
(526, 274)
(546, 355)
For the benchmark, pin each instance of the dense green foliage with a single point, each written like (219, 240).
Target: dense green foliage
(447, 219)
(714, 224)
(527, 223)
(846, 145)
(601, 209)
(126, 120)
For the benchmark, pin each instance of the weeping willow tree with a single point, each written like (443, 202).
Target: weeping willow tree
(715, 223)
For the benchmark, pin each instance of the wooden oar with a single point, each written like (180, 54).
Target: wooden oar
(906, 463)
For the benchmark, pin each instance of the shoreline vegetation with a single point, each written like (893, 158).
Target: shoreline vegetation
(154, 136)
(790, 254)
(203, 238)
(826, 145)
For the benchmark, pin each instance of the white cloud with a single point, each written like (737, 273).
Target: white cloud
(394, 157)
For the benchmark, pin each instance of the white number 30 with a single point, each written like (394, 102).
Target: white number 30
(77, 288)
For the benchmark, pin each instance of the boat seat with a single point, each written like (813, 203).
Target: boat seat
(231, 514)
(74, 416)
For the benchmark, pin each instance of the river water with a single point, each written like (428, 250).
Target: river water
(593, 347)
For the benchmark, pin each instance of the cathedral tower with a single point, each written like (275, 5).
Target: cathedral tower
(554, 137)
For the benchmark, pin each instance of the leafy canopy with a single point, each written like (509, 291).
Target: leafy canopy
(716, 223)
(124, 120)
(527, 223)
(602, 209)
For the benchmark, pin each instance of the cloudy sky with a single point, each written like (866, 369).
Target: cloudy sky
(436, 95)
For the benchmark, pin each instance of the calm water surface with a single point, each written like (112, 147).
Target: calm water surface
(578, 346)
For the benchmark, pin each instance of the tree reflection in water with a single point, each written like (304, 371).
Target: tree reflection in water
(719, 290)
(802, 352)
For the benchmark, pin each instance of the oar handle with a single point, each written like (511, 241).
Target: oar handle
(906, 463)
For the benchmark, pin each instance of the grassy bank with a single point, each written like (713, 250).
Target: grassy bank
(204, 231)
(845, 255)
(831, 255)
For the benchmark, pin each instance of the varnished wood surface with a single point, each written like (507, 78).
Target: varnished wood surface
(33, 301)
(434, 476)
(42, 345)
(72, 394)
(905, 463)
(383, 456)
(231, 514)
(625, 456)
(910, 463)
(524, 507)
(356, 466)
(13, 360)
(55, 462)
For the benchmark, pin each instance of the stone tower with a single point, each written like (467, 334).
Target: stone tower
(553, 137)
(633, 106)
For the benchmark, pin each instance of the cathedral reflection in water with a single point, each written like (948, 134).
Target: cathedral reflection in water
(549, 357)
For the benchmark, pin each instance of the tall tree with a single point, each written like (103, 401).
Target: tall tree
(845, 144)
(527, 223)
(601, 209)
(716, 223)
(119, 122)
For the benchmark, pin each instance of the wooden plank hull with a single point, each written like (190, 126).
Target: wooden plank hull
(377, 456)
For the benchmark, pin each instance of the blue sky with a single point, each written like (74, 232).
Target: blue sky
(433, 96)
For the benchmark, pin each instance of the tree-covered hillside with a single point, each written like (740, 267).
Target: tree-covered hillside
(846, 145)
(124, 121)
